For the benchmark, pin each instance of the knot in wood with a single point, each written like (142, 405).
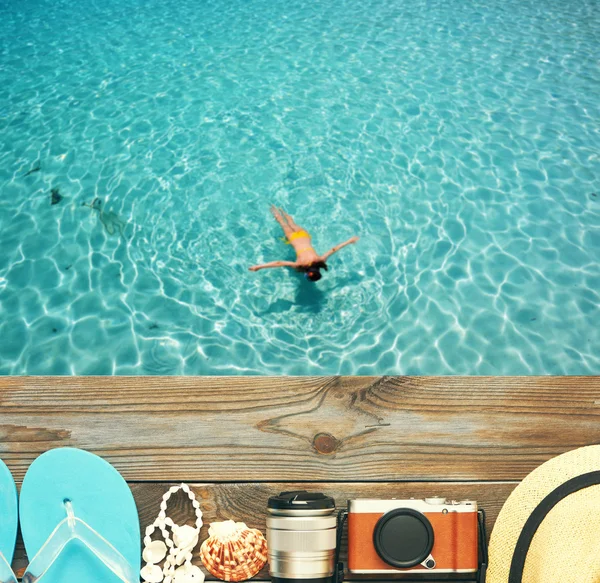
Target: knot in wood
(325, 443)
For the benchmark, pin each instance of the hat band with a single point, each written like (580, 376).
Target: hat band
(537, 516)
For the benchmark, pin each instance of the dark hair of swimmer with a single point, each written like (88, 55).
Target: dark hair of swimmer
(313, 274)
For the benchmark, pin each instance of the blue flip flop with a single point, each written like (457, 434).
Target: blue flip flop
(79, 520)
(9, 521)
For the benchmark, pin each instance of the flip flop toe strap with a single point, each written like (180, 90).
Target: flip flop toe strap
(71, 529)
(6, 573)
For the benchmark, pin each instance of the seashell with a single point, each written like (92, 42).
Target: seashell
(155, 552)
(233, 552)
(152, 574)
(185, 537)
(188, 574)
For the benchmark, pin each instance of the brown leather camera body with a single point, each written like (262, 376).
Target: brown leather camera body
(412, 536)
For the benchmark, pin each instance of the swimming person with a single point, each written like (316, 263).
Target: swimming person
(308, 261)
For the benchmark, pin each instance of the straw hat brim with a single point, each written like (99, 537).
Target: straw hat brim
(565, 547)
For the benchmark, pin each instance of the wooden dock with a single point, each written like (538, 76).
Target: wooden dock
(238, 440)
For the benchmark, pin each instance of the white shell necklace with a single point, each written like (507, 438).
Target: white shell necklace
(178, 566)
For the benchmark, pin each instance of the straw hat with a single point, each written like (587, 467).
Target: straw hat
(548, 531)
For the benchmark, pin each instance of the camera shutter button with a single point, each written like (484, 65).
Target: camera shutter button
(435, 500)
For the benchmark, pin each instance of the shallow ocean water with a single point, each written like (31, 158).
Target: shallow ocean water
(459, 140)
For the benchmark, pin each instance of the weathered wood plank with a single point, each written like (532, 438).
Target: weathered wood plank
(248, 502)
(330, 428)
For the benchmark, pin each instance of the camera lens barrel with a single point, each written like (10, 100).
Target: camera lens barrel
(301, 536)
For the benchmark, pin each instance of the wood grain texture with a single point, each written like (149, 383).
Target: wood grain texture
(248, 502)
(278, 429)
(351, 437)
(307, 428)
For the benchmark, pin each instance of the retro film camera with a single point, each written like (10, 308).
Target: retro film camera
(406, 537)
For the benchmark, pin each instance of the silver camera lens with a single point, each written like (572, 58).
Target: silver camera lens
(301, 536)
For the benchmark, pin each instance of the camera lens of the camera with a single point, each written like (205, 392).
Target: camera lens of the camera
(403, 537)
(301, 536)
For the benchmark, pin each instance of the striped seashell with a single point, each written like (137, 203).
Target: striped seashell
(233, 552)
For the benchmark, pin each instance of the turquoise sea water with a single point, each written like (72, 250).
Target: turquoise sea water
(459, 140)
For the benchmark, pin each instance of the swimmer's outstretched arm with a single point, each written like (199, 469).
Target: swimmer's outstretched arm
(338, 247)
(273, 264)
